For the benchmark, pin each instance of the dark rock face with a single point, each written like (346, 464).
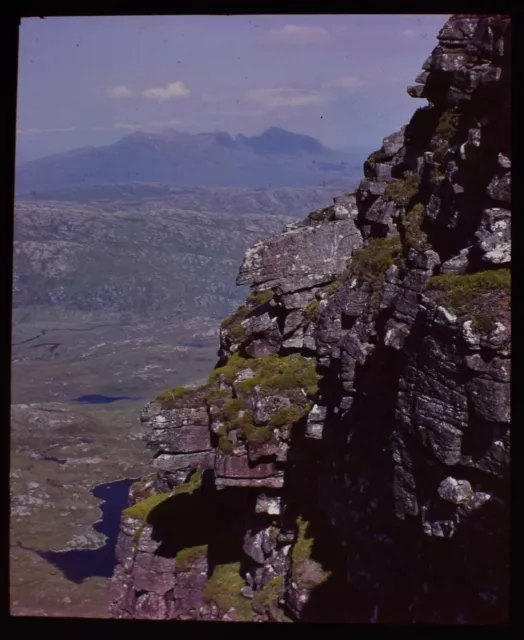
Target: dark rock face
(354, 440)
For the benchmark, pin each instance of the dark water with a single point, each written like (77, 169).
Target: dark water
(97, 399)
(57, 460)
(193, 345)
(77, 565)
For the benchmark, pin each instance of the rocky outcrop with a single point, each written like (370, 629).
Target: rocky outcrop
(348, 458)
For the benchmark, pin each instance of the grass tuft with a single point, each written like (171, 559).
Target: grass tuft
(224, 589)
(472, 296)
(185, 558)
(402, 191)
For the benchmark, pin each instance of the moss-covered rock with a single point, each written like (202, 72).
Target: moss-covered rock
(369, 265)
(289, 415)
(266, 599)
(230, 370)
(447, 126)
(142, 509)
(334, 287)
(322, 215)
(311, 310)
(478, 296)
(193, 484)
(224, 589)
(307, 573)
(271, 372)
(259, 298)
(403, 191)
(249, 430)
(225, 445)
(186, 558)
(274, 373)
(174, 398)
(233, 323)
(214, 395)
(276, 376)
(414, 237)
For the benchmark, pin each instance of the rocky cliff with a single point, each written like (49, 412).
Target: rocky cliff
(348, 458)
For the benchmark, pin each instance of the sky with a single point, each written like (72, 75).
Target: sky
(339, 78)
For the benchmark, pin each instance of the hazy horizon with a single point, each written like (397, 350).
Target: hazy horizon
(342, 79)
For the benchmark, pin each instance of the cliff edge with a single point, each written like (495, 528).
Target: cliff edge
(348, 459)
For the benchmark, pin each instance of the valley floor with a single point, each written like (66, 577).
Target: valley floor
(62, 449)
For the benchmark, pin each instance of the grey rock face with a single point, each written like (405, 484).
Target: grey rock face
(283, 258)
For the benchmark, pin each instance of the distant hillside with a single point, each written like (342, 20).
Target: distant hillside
(296, 203)
(172, 253)
(275, 159)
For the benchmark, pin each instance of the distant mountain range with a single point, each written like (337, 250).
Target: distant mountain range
(274, 159)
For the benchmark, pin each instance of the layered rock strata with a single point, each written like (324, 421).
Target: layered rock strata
(348, 458)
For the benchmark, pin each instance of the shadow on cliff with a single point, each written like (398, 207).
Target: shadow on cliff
(349, 475)
(208, 517)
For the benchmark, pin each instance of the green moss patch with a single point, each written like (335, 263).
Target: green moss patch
(231, 408)
(480, 296)
(266, 599)
(335, 286)
(303, 545)
(174, 398)
(274, 374)
(403, 191)
(307, 573)
(448, 125)
(233, 323)
(248, 429)
(193, 484)
(311, 310)
(186, 558)
(322, 215)
(230, 370)
(225, 445)
(224, 589)
(302, 564)
(214, 395)
(414, 237)
(259, 298)
(141, 510)
(138, 533)
(371, 263)
(271, 372)
(289, 415)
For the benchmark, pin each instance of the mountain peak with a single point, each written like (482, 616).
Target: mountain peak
(278, 140)
(276, 158)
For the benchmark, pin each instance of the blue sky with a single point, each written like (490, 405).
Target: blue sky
(340, 78)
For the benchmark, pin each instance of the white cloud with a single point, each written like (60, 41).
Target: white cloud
(278, 98)
(349, 83)
(409, 34)
(120, 91)
(173, 91)
(293, 34)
